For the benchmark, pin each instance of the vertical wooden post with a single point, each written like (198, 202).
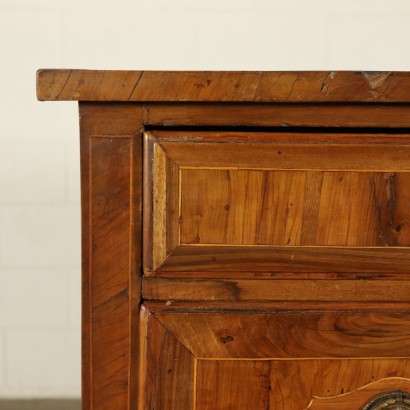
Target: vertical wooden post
(111, 181)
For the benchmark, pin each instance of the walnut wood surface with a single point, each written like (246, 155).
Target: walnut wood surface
(364, 395)
(233, 385)
(272, 306)
(338, 384)
(109, 285)
(277, 115)
(170, 370)
(284, 259)
(253, 207)
(291, 156)
(275, 202)
(318, 315)
(261, 361)
(111, 197)
(286, 335)
(276, 290)
(86, 85)
(262, 86)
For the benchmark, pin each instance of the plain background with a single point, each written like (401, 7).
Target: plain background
(39, 152)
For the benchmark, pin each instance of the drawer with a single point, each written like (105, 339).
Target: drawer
(288, 360)
(276, 202)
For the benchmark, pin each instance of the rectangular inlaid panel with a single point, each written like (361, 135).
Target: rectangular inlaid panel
(289, 360)
(109, 227)
(275, 202)
(255, 207)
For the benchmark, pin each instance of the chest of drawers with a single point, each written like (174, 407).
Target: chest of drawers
(245, 238)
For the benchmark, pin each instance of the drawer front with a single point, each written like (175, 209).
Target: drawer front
(276, 202)
(282, 360)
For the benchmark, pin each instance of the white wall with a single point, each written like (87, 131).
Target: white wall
(39, 159)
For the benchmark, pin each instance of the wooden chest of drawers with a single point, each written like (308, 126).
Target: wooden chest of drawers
(246, 238)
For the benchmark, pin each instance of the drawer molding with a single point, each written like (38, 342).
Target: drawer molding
(156, 288)
(282, 205)
(289, 335)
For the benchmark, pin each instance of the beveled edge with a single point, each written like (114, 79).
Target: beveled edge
(223, 86)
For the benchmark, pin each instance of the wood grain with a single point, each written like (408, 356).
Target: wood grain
(111, 207)
(327, 378)
(318, 315)
(235, 385)
(111, 119)
(280, 202)
(355, 138)
(135, 261)
(168, 373)
(272, 306)
(166, 368)
(249, 207)
(110, 281)
(290, 335)
(278, 115)
(161, 205)
(301, 156)
(285, 259)
(361, 396)
(86, 85)
(276, 290)
(234, 366)
(297, 86)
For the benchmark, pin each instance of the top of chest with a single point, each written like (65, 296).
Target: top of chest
(224, 86)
